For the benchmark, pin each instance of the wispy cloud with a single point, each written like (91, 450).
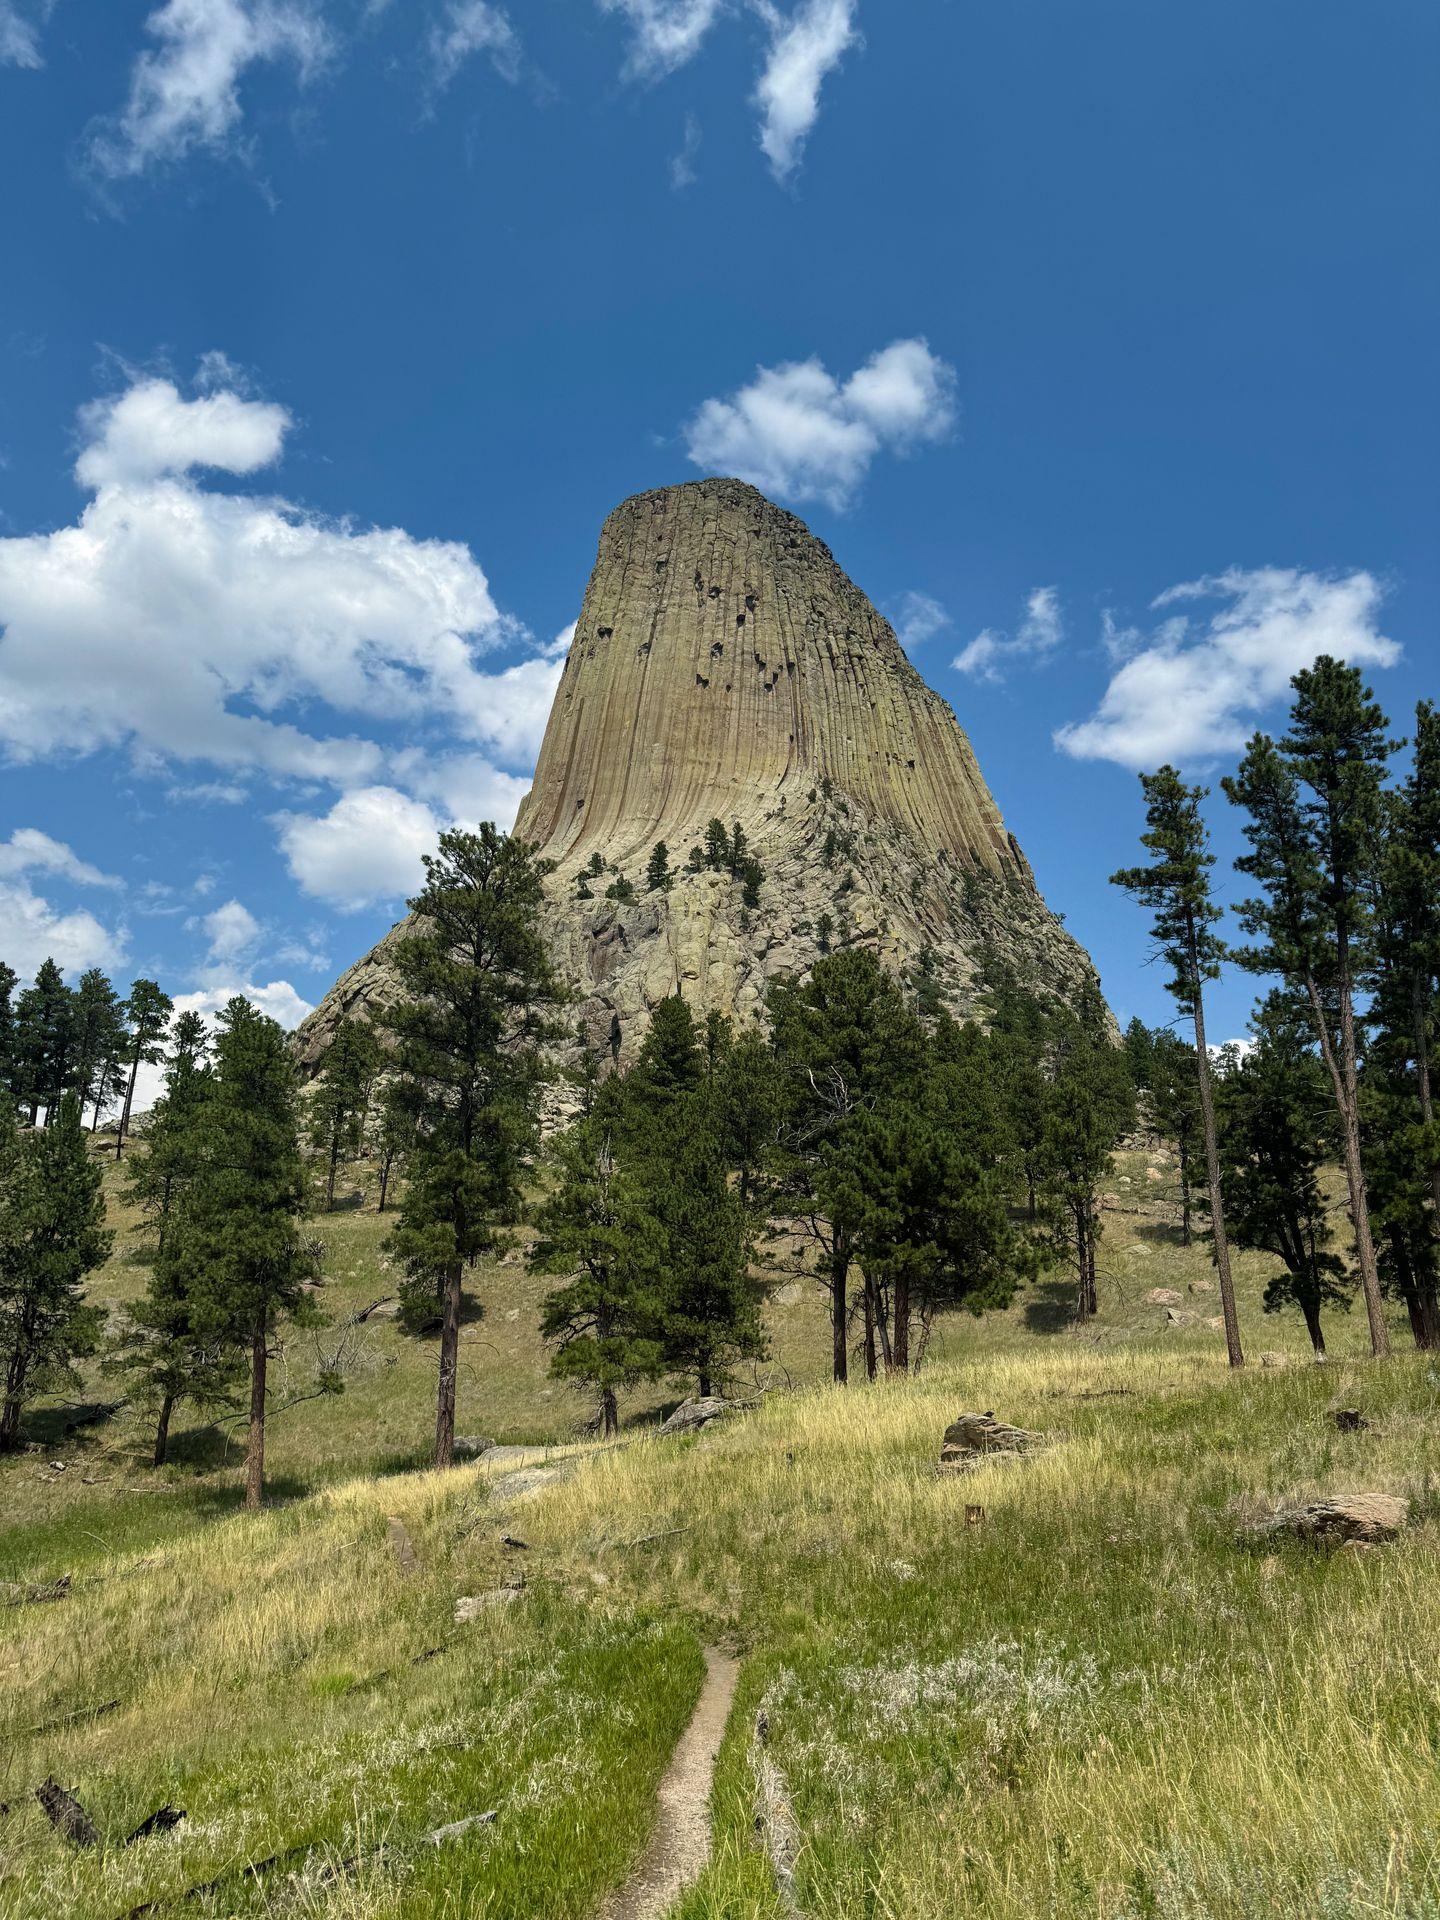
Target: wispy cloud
(805, 48)
(185, 90)
(470, 27)
(1195, 686)
(1039, 633)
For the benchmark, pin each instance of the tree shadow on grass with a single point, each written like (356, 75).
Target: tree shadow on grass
(1051, 1309)
(1161, 1233)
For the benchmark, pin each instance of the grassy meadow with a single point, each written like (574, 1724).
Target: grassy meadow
(1090, 1699)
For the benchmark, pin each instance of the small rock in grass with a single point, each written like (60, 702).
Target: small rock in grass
(470, 1446)
(1202, 1286)
(1162, 1297)
(1177, 1317)
(1275, 1362)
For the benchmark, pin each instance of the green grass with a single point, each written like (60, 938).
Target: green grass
(1097, 1704)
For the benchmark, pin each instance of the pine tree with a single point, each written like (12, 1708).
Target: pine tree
(342, 1093)
(594, 1228)
(1090, 1104)
(1407, 985)
(1315, 806)
(235, 1235)
(397, 1136)
(843, 1041)
(1139, 1053)
(44, 1041)
(52, 1234)
(1272, 1103)
(658, 877)
(479, 991)
(717, 846)
(158, 1349)
(929, 1168)
(147, 1014)
(1176, 887)
(99, 1037)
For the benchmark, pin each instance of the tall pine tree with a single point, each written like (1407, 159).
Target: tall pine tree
(147, 1015)
(1176, 887)
(236, 1234)
(479, 991)
(1314, 806)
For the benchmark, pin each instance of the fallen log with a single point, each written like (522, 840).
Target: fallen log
(66, 1815)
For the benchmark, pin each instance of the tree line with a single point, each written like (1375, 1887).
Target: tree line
(860, 1137)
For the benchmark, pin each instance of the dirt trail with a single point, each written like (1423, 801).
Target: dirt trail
(680, 1844)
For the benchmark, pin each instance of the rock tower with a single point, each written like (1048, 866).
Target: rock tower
(724, 667)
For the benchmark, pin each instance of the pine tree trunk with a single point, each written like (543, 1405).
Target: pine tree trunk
(162, 1430)
(334, 1162)
(1310, 1308)
(255, 1442)
(1082, 1276)
(1342, 1082)
(125, 1110)
(1421, 1303)
(870, 1358)
(900, 1357)
(1219, 1240)
(1422, 1079)
(609, 1413)
(449, 1368)
(1185, 1233)
(384, 1182)
(839, 1310)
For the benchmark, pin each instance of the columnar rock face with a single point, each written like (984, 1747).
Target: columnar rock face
(724, 667)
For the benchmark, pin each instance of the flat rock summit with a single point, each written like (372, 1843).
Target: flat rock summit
(725, 667)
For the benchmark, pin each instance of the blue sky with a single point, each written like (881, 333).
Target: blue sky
(1095, 336)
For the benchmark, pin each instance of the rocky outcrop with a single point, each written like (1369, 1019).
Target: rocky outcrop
(724, 666)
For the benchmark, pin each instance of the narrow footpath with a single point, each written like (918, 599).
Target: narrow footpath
(680, 1843)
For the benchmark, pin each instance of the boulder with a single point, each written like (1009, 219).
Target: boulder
(1202, 1286)
(525, 1480)
(1334, 1519)
(975, 1436)
(470, 1446)
(696, 1412)
(1162, 1297)
(1177, 1317)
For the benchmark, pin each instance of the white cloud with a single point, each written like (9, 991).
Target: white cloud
(470, 27)
(682, 164)
(149, 431)
(19, 38)
(1038, 634)
(230, 931)
(32, 930)
(185, 92)
(798, 432)
(28, 850)
(1195, 688)
(803, 50)
(367, 848)
(918, 618)
(188, 624)
(665, 33)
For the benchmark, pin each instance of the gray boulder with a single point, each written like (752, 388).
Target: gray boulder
(695, 1413)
